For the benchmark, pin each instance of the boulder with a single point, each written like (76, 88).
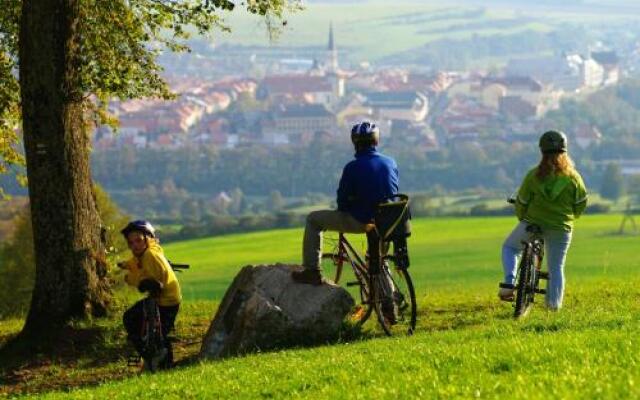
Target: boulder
(265, 309)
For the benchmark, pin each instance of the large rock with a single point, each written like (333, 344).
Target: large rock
(264, 308)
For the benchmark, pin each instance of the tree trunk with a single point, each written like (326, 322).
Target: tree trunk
(70, 271)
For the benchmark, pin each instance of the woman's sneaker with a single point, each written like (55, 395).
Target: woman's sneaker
(506, 292)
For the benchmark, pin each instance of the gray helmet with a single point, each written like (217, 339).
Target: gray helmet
(553, 142)
(365, 133)
(141, 226)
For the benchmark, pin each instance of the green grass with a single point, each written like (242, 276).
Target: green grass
(467, 345)
(444, 251)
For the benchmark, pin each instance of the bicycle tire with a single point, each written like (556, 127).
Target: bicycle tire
(525, 271)
(332, 265)
(403, 292)
(362, 309)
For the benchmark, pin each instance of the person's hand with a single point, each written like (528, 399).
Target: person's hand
(150, 285)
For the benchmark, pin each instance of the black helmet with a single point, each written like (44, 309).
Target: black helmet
(553, 142)
(139, 225)
(365, 133)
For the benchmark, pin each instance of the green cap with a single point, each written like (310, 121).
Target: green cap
(553, 142)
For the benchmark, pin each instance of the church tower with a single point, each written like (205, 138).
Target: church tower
(332, 52)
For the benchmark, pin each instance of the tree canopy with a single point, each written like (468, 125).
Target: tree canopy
(120, 41)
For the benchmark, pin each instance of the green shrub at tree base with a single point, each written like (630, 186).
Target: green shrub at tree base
(17, 269)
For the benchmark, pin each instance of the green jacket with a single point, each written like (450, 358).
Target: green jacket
(552, 203)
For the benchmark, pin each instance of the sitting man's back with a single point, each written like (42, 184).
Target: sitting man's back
(365, 182)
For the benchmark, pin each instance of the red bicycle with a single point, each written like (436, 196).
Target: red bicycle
(388, 288)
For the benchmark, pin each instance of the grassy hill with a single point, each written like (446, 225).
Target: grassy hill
(467, 345)
(444, 252)
(372, 30)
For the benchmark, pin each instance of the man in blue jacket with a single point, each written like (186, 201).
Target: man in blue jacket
(366, 181)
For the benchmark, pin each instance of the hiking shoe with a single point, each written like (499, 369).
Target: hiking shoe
(307, 276)
(506, 294)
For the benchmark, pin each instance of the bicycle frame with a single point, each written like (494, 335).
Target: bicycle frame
(373, 284)
(346, 250)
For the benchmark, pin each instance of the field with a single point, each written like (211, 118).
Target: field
(467, 345)
(445, 253)
(370, 30)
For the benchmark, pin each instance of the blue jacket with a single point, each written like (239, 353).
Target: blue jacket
(365, 182)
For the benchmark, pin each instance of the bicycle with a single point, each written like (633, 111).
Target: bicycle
(529, 271)
(387, 285)
(157, 352)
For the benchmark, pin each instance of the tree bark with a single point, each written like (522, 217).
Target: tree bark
(70, 271)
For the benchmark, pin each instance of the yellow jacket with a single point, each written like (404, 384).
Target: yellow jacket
(154, 265)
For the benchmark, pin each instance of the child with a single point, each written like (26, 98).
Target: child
(149, 270)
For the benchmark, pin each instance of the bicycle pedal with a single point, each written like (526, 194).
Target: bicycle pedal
(543, 275)
(541, 291)
(356, 283)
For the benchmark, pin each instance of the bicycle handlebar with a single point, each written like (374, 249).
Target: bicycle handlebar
(176, 267)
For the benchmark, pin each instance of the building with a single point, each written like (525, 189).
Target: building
(568, 72)
(464, 118)
(587, 135)
(298, 87)
(407, 106)
(610, 63)
(287, 124)
(519, 96)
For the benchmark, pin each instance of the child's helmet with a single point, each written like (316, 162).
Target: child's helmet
(139, 225)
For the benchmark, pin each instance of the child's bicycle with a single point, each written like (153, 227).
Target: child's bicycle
(529, 271)
(386, 289)
(157, 352)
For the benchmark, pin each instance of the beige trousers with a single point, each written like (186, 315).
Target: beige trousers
(325, 220)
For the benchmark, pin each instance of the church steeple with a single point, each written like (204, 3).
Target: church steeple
(332, 43)
(332, 56)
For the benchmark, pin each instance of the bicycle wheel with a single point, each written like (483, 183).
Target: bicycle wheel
(339, 268)
(332, 265)
(393, 291)
(524, 290)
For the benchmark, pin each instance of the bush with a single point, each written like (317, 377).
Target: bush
(18, 259)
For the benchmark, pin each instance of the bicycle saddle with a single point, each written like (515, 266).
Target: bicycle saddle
(535, 229)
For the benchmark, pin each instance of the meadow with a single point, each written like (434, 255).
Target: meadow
(371, 30)
(467, 345)
(457, 253)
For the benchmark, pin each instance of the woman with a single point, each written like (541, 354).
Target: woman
(551, 196)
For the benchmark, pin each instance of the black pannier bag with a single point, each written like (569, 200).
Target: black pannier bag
(393, 223)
